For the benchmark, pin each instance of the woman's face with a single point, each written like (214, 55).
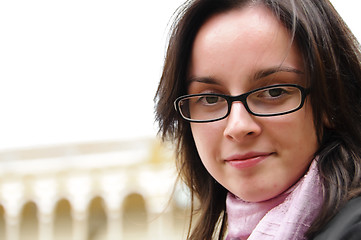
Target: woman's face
(255, 158)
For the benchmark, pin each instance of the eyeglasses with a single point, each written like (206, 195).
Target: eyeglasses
(267, 101)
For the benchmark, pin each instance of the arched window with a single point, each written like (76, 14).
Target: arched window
(62, 220)
(97, 220)
(135, 218)
(29, 222)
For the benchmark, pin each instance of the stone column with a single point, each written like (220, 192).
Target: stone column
(12, 193)
(114, 225)
(45, 226)
(12, 227)
(79, 187)
(157, 202)
(112, 186)
(80, 225)
(45, 192)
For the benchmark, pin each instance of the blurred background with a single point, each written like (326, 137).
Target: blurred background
(79, 156)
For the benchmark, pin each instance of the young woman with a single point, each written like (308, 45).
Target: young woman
(263, 101)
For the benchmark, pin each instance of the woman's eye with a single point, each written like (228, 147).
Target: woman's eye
(275, 92)
(209, 100)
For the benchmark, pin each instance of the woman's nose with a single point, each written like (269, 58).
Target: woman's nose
(240, 123)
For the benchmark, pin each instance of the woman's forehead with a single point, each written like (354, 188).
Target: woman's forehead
(243, 41)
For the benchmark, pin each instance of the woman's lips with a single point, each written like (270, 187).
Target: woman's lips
(247, 160)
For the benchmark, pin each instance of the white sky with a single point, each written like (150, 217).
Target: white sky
(86, 70)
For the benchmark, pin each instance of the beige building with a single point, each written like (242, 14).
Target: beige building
(91, 191)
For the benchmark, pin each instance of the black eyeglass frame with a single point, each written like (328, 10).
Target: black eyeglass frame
(242, 98)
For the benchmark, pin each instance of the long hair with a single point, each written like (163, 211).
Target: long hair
(331, 56)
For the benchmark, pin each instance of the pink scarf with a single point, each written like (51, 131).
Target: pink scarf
(285, 217)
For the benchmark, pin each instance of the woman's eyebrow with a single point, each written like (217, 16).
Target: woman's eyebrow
(258, 75)
(206, 80)
(269, 71)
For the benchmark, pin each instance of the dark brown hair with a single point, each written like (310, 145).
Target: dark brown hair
(331, 56)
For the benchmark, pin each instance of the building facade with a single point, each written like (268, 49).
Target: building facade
(106, 190)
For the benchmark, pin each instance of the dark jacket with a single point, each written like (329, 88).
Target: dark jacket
(346, 225)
